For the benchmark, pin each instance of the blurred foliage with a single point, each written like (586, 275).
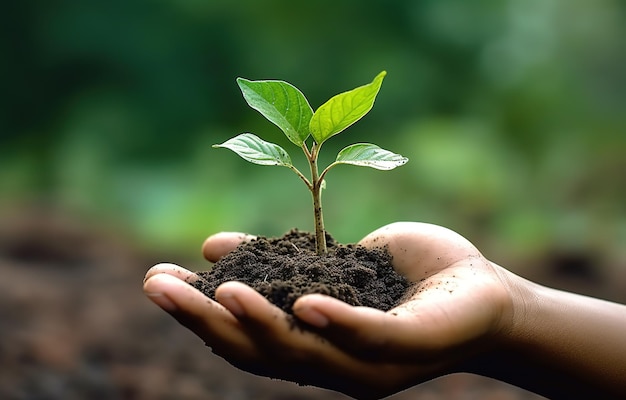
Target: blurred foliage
(511, 113)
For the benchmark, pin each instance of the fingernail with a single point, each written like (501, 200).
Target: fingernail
(162, 301)
(232, 304)
(312, 317)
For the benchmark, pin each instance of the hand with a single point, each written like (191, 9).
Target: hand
(460, 301)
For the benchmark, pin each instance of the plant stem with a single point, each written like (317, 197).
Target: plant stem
(316, 192)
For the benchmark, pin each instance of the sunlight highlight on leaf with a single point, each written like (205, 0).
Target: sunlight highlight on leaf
(370, 155)
(256, 150)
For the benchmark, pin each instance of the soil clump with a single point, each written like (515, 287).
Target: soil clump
(284, 268)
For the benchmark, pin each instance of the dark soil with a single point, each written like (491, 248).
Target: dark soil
(285, 268)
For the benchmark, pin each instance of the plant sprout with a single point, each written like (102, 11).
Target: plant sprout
(285, 106)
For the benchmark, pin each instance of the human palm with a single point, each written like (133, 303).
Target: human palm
(458, 303)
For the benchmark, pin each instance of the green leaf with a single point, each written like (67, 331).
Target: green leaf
(370, 155)
(256, 150)
(344, 109)
(281, 103)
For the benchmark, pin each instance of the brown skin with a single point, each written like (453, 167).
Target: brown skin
(467, 314)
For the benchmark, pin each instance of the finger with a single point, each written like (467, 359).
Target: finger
(401, 335)
(291, 352)
(369, 335)
(262, 341)
(209, 320)
(288, 350)
(440, 320)
(420, 250)
(173, 270)
(270, 326)
(220, 244)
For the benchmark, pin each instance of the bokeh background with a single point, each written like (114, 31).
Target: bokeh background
(512, 113)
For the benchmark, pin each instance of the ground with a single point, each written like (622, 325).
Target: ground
(75, 325)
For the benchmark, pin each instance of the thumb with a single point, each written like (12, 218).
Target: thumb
(218, 245)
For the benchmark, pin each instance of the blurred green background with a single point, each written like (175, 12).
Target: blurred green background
(512, 114)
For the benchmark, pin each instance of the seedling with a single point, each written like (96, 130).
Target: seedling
(285, 106)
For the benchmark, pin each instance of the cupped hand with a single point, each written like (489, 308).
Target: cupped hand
(459, 306)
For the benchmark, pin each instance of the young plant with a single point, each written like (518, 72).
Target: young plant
(285, 106)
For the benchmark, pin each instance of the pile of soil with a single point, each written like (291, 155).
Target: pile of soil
(285, 268)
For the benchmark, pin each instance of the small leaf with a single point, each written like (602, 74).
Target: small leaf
(370, 155)
(281, 103)
(344, 109)
(256, 150)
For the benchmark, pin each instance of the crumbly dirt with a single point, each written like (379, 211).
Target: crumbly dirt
(285, 268)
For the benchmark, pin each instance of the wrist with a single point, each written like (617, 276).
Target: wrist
(515, 298)
(506, 353)
(555, 343)
(520, 309)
